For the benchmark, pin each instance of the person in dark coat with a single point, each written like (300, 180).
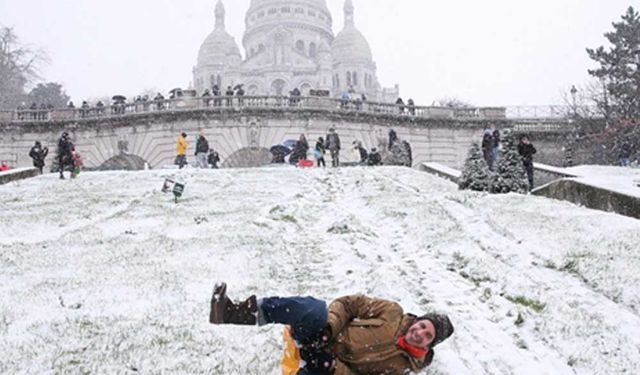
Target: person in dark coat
(496, 154)
(320, 151)
(216, 93)
(400, 104)
(625, 155)
(206, 98)
(213, 159)
(354, 334)
(64, 153)
(375, 158)
(38, 154)
(300, 150)
(487, 147)
(333, 144)
(364, 155)
(202, 152)
(411, 105)
(229, 95)
(526, 150)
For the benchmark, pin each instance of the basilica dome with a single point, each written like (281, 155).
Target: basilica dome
(311, 17)
(219, 46)
(350, 45)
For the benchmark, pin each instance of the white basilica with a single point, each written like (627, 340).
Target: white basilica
(290, 44)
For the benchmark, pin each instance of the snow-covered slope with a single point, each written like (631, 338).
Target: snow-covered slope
(105, 274)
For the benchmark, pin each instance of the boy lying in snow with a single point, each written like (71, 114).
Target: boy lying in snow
(355, 335)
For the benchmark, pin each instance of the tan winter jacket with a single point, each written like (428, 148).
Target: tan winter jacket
(364, 334)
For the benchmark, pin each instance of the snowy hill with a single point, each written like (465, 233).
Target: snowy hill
(105, 274)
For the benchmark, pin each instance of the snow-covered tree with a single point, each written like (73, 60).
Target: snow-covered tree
(476, 174)
(510, 176)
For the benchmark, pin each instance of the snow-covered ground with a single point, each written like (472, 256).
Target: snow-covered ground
(105, 274)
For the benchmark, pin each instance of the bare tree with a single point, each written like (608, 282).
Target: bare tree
(18, 67)
(453, 102)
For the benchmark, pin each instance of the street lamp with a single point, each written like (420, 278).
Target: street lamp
(574, 91)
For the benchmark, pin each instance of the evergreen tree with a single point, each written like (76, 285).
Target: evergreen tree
(510, 176)
(620, 66)
(476, 174)
(49, 93)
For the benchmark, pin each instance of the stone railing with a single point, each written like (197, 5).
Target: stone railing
(552, 112)
(249, 102)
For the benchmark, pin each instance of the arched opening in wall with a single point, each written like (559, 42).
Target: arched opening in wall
(348, 78)
(123, 162)
(355, 78)
(305, 88)
(337, 82)
(261, 48)
(252, 90)
(277, 87)
(312, 50)
(219, 80)
(300, 46)
(249, 157)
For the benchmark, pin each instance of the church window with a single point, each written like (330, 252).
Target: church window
(348, 78)
(273, 11)
(285, 10)
(311, 13)
(299, 10)
(312, 50)
(300, 46)
(355, 78)
(261, 48)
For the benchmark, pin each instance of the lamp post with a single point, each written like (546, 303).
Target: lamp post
(574, 91)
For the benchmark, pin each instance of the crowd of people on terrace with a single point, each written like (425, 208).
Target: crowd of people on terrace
(214, 97)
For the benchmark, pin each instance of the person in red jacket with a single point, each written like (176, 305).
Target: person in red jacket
(4, 167)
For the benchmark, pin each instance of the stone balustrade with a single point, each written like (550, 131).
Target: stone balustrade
(250, 102)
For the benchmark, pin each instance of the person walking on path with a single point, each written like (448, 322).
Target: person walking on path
(333, 144)
(526, 150)
(354, 335)
(181, 151)
(38, 154)
(202, 151)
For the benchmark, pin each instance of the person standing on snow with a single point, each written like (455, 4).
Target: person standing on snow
(487, 147)
(333, 144)
(38, 154)
(64, 153)
(181, 150)
(202, 152)
(319, 152)
(526, 150)
(354, 335)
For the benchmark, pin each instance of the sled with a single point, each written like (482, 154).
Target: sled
(303, 163)
(291, 360)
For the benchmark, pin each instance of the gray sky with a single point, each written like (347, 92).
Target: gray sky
(487, 52)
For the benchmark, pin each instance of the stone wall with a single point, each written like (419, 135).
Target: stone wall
(151, 137)
(591, 197)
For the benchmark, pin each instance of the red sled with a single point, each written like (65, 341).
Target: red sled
(305, 163)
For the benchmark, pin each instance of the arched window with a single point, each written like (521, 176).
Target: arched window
(261, 48)
(337, 81)
(312, 50)
(348, 78)
(278, 87)
(355, 78)
(300, 46)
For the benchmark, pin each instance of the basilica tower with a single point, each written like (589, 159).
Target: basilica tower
(219, 56)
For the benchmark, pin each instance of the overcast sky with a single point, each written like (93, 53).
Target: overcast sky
(486, 52)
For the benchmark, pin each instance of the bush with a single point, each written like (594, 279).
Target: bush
(476, 174)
